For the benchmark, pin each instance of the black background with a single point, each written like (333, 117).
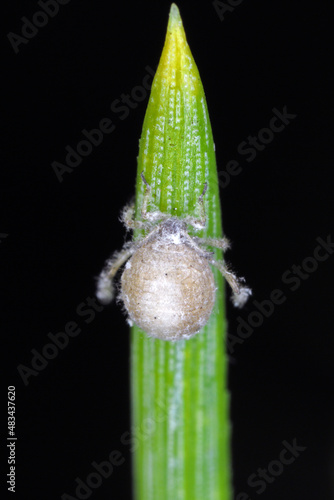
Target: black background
(263, 55)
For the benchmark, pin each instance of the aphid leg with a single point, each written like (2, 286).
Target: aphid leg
(195, 244)
(240, 293)
(127, 217)
(105, 288)
(221, 243)
(199, 223)
(201, 205)
(150, 216)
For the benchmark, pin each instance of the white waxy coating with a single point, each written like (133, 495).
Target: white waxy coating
(168, 289)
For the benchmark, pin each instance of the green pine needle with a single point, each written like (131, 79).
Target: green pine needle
(180, 402)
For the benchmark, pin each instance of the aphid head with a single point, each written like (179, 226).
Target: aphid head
(172, 227)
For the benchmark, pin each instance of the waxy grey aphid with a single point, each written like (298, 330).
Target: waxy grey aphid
(167, 285)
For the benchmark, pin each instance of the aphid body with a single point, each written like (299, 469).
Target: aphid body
(167, 286)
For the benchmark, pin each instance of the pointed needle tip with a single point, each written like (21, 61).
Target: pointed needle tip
(174, 13)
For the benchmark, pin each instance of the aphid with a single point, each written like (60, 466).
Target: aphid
(167, 286)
